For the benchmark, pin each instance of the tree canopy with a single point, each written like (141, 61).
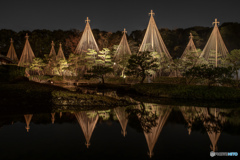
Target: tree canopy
(175, 40)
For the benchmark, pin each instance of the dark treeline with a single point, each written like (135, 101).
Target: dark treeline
(175, 40)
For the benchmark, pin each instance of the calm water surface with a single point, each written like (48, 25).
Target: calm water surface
(142, 131)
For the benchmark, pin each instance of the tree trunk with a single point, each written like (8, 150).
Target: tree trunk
(123, 72)
(143, 78)
(237, 74)
(102, 79)
(237, 77)
(189, 80)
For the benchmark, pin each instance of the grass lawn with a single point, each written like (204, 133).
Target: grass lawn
(188, 91)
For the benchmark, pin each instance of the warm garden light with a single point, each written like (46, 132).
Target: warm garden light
(190, 49)
(153, 41)
(27, 54)
(28, 118)
(87, 40)
(87, 124)
(121, 88)
(215, 50)
(52, 53)
(122, 53)
(60, 54)
(12, 53)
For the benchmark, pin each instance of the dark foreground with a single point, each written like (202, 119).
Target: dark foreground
(119, 133)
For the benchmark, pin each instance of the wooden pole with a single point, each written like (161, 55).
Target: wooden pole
(216, 23)
(151, 13)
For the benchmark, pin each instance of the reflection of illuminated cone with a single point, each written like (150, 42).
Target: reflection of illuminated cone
(122, 118)
(214, 148)
(27, 127)
(150, 154)
(189, 131)
(214, 136)
(124, 133)
(211, 125)
(87, 144)
(87, 124)
(189, 128)
(53, 117)
(153, 134)
(189, 114)
(28, 118)
(60, 114)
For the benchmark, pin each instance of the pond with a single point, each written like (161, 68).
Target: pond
(141, 131)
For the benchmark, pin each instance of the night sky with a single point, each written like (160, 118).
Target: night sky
(113, 15)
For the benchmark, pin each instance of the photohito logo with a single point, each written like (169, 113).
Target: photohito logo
(232, 153)
(213, 154)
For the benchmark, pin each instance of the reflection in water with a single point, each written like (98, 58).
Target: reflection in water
(152, 136)
(53, 117)
(148, 119)
(213, 121)
(87, 121)
(189, 114)
(105, 115)
(211, 118)
(28, 118)
(122, 116)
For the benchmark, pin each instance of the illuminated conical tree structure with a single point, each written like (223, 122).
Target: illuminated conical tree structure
(190, 49)
(52, 53)
(60, 54)
(87, 123)
(153, 41)
(53, 117)
(28, 118)
(153, 134)
(215, 50)
(123, 49)
(122, 54)
(87, 40)
(123, 118)
(27, 54)
(12, 53)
